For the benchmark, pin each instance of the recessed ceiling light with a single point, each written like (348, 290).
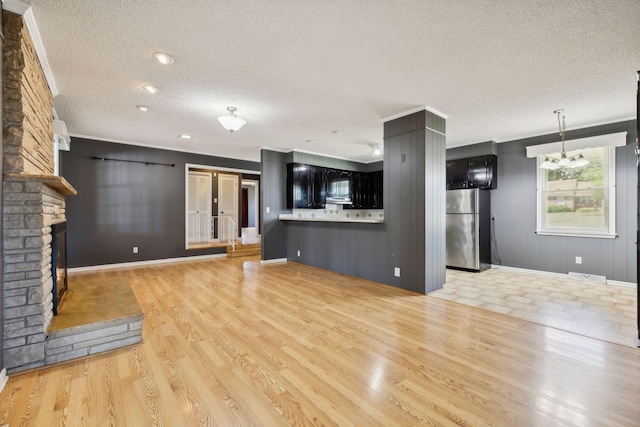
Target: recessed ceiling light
(310, 141)
(337, 132)
(183, 136)
(163, 58)
(143, 108)
(151, 89)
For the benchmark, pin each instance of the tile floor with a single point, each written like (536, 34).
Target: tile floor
(606, 312)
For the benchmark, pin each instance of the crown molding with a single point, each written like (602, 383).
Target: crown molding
(24, 9)
(34, 32)
(18, 7)
(415, 110)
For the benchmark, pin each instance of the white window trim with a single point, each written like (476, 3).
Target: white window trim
(567, 232)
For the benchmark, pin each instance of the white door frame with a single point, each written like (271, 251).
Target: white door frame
(188, 166)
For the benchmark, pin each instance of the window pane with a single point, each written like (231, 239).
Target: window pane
(577, 199)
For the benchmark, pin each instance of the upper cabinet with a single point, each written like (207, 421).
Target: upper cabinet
(305, 186)
(473, 172)
(338, 184)
(313, 187)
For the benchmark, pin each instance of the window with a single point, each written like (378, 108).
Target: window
(578, 201)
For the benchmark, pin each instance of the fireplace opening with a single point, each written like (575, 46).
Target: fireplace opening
(58, 263)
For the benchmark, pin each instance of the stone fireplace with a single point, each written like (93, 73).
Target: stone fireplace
(31, 205)
(33, 199)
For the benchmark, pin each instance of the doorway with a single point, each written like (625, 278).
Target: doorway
(250, 210)
(213, 198)
(199, 207)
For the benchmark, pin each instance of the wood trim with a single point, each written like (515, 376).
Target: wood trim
(58, 183)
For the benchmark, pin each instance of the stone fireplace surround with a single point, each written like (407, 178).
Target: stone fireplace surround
(32, 203)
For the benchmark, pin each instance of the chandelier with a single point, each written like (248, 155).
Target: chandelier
(230, 121)
(575, 161)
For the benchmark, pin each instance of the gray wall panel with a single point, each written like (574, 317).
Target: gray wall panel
(331, 162)
(273, 195)
(393, 208)
(435, 218)
(513, 204)
(480, 149)
(347, 248)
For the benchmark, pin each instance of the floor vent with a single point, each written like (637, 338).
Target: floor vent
(588, 277)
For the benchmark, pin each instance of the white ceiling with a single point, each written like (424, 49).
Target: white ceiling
(300, 70)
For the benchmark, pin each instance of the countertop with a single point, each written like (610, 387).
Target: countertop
(292, 217)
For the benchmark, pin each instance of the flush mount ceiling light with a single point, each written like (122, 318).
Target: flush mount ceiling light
(143, 108)
(376, 151)
(163, 58)
(185, 136)
(230, 121)
(575, 161)
(151, 89)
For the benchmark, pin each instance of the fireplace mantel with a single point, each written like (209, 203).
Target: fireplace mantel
(55, 182)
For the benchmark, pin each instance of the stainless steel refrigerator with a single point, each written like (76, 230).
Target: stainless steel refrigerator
(468, 229)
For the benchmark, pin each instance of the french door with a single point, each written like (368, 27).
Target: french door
(199, 207)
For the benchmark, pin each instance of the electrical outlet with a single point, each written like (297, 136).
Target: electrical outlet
(578, 260)
(396, 272)
(135, 249)
(268, 209)
(298, 253)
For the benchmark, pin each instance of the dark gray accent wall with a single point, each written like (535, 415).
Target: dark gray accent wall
(348, 248)
(273, 195)
(331, 162)
(513, 204)
(121, 205)
(480, 149)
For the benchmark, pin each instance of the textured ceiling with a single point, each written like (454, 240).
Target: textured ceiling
(300, 70)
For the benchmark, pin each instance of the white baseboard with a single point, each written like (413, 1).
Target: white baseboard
(3, 379)
(528, 271)
(619, 283)
(273, 261)
(563, 276)
(144, 263)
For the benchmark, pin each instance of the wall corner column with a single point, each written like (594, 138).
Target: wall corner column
(414, 174)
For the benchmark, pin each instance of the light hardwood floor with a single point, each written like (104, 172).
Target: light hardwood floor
(232, 342)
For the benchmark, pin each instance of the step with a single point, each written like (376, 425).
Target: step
(240, 246)
(244, 251)
(95, 316)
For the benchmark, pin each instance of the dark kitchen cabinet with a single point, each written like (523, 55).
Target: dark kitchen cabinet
(457, 174)
(482, 172)
(473, 172)
(356, 190)
(305, 186)
(375, 184)
(311, 187)
(366, 191)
